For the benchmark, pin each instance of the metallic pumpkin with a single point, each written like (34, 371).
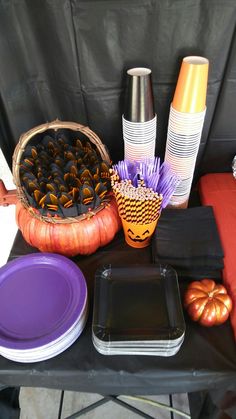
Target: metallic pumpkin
(207, 302)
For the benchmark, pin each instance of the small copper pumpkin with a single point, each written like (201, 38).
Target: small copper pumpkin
(207, 302)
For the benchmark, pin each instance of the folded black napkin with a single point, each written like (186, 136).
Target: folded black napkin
(188, 240)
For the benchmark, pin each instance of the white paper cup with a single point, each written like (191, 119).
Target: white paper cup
(138, 125)
(183, 139)
(139, 152)
(138, 140)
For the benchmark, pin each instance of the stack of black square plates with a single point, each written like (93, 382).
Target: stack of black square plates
(137, 311)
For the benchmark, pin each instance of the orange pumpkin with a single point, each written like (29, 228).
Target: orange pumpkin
(207, 302)
(79, 237)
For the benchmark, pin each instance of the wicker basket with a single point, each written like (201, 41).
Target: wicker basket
(43, 233)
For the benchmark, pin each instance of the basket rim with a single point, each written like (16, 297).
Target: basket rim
(20, 148)
(67, 220)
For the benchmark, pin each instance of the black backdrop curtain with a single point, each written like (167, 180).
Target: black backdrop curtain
(67, 59)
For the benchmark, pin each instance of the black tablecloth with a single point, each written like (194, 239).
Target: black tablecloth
(206, 360)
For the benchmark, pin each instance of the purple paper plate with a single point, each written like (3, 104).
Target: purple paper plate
(41, 296)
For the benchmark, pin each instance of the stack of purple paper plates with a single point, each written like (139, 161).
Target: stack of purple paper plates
(43, 306)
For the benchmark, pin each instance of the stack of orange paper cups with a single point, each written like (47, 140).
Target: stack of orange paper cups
(186, 119)
(139, 119)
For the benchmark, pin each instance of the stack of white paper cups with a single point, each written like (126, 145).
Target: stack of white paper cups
(186, 119)
(139, 139)
(139, 119)
(183, 139)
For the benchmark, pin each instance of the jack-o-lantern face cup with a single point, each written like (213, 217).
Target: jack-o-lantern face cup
(138, 235)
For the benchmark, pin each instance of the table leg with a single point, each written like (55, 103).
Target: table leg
(9, 403)
(216, 404)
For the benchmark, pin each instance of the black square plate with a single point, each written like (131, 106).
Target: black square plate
(138, 303)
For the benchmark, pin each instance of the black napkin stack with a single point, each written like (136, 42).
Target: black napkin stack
(188, 240)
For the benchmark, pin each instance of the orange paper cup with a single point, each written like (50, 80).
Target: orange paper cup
(191, 88)
(138, 235)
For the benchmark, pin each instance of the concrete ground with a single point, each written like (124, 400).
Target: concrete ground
(44, 404)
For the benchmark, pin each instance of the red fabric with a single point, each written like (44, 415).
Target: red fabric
(219, 191)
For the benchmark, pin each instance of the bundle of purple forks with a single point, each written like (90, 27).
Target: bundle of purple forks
(159, 177)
